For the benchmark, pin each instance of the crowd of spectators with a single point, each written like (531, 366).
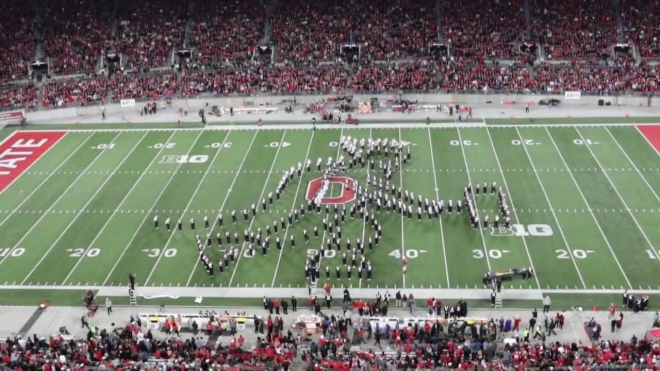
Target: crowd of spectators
(308, 37)
(644, 80)
(149, 30)
(14, 97)
(130, 347)
(152, 86)
(396, 76)
(462, 75)
(642, 23)
(228, 33)
(74, 92)
(574, 29)
(74, 33)
(431, 354)
(276, 80)
(548, 78)
(17, 45)
(483, 29)
(311, 31)
(394, 29)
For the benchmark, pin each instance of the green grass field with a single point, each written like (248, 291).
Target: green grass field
(584, 201)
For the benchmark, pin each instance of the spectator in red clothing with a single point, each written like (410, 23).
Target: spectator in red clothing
(276, 305)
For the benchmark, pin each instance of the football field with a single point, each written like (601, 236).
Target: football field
(77, 207)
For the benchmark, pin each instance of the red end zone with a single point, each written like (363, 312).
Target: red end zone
(652, 134)
(22, 149)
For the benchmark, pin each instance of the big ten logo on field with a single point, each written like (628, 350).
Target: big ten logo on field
(184, 159)
(342, 183)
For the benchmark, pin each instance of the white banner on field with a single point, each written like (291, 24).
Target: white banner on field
(572, 95)
(127, 103)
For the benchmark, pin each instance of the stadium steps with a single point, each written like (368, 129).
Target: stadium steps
(527, 12)
(188, 28)
(637, 54)
(617, 14)
(40, 93)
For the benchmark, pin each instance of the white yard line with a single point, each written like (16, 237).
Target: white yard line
(476, 207)
(362, 126)
(348, 171)
(655, 251)
(321, 250)
(263, 191)
(118, 206)
(293, 207)
(192, 197)
(224, 202)
(89, 201)
(561, 231)
(259, 292)
(366, 186)
(46, 212)
(45, 180)
(577, 186)
(633, 164)
(160, 194)
(513, 207)
(403, 234)
(437, 197)
(43, 155)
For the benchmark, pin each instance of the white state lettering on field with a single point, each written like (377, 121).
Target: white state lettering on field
(12, 163)
(29, 143)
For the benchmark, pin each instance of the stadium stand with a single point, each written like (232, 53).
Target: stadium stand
(149, 30)
(18, 97)
(483, 29)
(154, 85)
(74, 92)
(483, 39)
(276, 80)
(641, 19)
(228, 33)
(394, 29)
(309, 32)
(17, 44)
(74, 34)
(394, 77)
(574, 29)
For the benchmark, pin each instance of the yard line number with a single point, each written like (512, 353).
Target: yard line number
(169, 145)
(577, 254)
(104, 146)
(8, 252)
(525, 142)
(409, 254)
(464, 142)
(650, 253)
(277, 144)
(80, 252)
(581, 142)
(492, 253)
(154, 253)
(221, 145)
